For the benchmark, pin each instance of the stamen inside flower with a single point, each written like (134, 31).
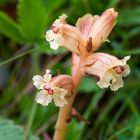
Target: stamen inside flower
(119, 69)
(89, 45)
(48, 89)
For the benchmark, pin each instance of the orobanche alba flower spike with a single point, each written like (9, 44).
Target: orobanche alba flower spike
(108, 68)
(50, 89)
(86, 37)
(82, 40)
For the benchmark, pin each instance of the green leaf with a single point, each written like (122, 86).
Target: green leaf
(88, 84)
(129, 16)
(51, 5)
(32, 137)
(73, 132)
(10, 28)
(11, 131)
(32, 19)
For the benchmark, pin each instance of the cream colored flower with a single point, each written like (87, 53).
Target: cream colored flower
(86, 37)
(108, 68)
(49, 91)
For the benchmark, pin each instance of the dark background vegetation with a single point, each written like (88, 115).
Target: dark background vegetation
(25, 53)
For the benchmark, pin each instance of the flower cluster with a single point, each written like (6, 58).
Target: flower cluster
(83, 40)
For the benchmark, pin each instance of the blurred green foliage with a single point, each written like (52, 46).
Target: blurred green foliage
(24, 53)
(10, 131)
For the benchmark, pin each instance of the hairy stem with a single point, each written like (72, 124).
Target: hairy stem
(65, 112)
(63, 119)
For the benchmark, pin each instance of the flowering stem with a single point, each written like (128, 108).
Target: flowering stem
(65, 112)
(63, 119)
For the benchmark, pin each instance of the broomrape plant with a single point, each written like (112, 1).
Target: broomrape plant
(82, 40)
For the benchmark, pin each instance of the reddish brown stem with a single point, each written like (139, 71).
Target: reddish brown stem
(63, 120)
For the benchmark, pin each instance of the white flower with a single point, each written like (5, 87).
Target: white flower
(108, 68)
(49, 91)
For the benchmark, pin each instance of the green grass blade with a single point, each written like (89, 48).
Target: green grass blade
(16, 57)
